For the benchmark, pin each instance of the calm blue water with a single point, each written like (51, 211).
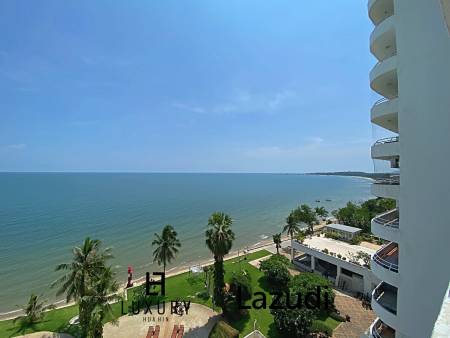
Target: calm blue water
(43, 215)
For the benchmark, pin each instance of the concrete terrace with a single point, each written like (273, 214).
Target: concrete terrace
(346, 250)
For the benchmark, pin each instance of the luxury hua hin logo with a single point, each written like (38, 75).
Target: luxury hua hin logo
(151, 299)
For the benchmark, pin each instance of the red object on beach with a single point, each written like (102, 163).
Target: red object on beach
(130, 269)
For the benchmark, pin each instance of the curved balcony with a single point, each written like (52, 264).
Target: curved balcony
(384, 303)
(384, 263)
(382, 40)
(379, 329)
(384, 113)
(387, 187)
(386, 225)
(383, 78)
(386, 148)
(380, 10)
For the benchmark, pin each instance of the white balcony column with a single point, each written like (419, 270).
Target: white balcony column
(313, 263)
(338, 276)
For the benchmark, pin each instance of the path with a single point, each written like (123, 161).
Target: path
(360, 318)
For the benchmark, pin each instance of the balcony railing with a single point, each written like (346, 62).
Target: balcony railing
(387, 140)
(383, 100)
(386, 295)
(380, 330)
(391, 180)
(388, 219)
(387, 257)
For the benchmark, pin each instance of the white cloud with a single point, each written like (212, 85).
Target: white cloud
(16, 146)
(242, 102)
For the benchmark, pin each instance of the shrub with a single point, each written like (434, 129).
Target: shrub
(243, 281)
(204, 295)
(325, 251)
(332, 235)
(223, 330)
(276, 271)
(321, 327)
(232, 311)
(356, 240)
(339, 255)
(337, 316)
(293, 322)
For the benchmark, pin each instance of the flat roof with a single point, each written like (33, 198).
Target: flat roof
(343, 227)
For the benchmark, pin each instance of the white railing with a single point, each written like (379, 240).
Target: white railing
(388, 219)
(382, 290)
(377, 328)
(391, 180)
(380, 260)
(383, 100)
(387, 140)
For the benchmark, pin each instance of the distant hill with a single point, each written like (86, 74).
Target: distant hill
(352, 173)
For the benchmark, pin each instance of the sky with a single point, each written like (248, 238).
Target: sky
(185, 86)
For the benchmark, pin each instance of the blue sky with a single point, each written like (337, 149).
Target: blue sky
(229, 86)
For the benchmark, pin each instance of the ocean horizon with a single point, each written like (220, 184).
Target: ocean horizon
(44, 215)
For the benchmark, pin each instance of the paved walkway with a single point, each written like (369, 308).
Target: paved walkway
(46, 334)
(360, 318)
(198, 323)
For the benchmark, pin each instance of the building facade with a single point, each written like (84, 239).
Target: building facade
(411, 43)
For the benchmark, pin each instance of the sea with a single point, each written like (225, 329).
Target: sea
(44, 215)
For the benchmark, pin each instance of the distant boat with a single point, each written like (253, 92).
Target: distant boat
(318, 201)
(328, 200)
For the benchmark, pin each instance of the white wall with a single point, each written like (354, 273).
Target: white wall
(423, 45)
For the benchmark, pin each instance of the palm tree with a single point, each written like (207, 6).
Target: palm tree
(219, 240)
(87, 265)
(34, 310)
(304, 214)
(167, 245)
(277, 241)
(101, 296)
(291, 228)
(321, 212)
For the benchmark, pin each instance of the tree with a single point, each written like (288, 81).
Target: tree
(277, 241)
(101, 296)
(304, 214)
(291, 228)
(321, 212)
(365, 257)
(167, 245)
(88, 264)
(276, 271)
(308, 282)
(219, 240)
(300, 236)
(293, 322)
(34, 310)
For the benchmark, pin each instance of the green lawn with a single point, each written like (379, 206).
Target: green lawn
(183, 286)
(55, 321)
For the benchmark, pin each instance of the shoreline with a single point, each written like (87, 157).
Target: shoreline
(176, 270)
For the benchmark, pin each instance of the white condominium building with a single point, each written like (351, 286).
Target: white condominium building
(411, 42)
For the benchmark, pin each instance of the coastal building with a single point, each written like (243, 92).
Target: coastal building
(337, 261)
(411, 42)
(344, 232)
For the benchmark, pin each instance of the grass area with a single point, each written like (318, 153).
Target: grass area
(55, 321)
(183, 286)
